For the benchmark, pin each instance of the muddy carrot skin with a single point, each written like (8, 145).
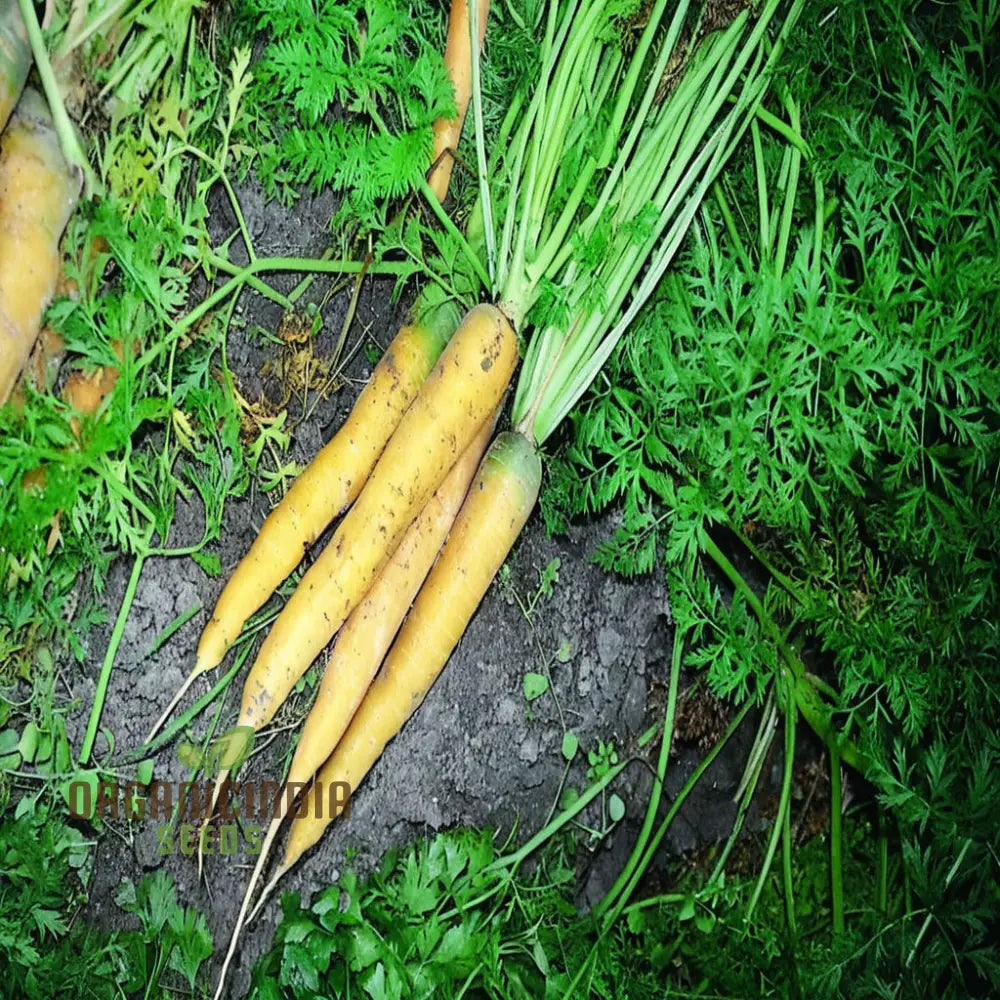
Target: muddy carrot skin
(464, 388)
(363, 643)
(498, 505)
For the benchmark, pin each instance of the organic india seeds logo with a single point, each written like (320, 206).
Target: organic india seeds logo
(183, 809)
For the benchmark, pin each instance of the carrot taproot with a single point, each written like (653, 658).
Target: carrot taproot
(362, 645)
(38, 192)
(498, 505)
(465, 387)
(458, 61)
(329, 484)
(15, 59)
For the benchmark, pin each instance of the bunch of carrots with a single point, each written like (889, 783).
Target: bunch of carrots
(600, 167)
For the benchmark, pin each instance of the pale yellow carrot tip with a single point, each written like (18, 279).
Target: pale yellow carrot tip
(265, 851)
(219, 782)
(181, 691)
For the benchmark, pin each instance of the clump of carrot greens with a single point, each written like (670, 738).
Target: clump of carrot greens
(803, 434)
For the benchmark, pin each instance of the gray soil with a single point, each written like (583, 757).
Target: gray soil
(476, 753)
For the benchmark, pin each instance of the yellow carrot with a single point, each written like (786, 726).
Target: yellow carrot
(38, 193)
(368, 633)
(329, 484)
(496, 509)
(363, 643)
(458, 61)
(464, 388)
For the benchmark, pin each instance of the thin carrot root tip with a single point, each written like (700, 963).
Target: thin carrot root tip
(265, 893)
(220, 782)
(241, 919)
(174, 702)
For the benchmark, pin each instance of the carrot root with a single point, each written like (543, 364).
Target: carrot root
(458, 61)
(38, 192)
(464, 388)
(216, 791)
(266, 892)
(496, 509)
(181, 691)
(241, 919)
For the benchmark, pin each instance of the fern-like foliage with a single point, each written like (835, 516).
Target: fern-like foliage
(841, 418)
(344, 97)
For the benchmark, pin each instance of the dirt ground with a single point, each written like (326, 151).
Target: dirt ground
(476, 753)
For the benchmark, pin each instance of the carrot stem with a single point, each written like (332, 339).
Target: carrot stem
(103, 679)
(652, 807)
(69, 140)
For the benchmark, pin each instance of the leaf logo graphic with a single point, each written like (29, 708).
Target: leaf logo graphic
(227, 751)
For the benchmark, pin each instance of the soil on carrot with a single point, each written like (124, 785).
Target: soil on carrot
(477, 752)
